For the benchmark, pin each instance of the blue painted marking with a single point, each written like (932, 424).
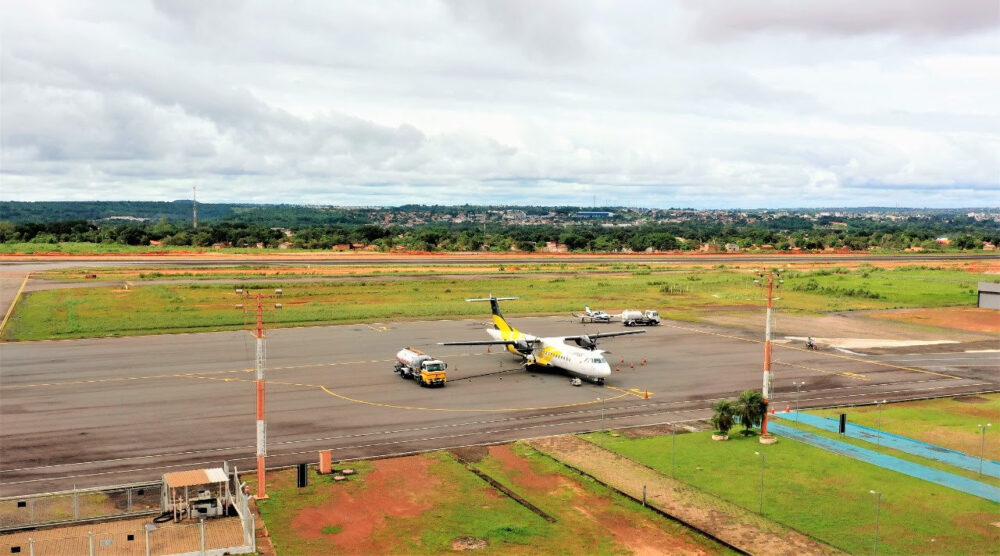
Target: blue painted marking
(901, 443)
(937, 476)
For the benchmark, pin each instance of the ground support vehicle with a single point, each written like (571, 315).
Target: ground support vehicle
(637, 318)
(415, 364)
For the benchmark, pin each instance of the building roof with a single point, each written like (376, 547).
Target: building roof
(989, 287)
(194, 477)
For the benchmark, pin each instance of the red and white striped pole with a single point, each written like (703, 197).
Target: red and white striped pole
(261, 424)
(766, 391)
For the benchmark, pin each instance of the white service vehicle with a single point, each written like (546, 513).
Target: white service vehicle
(640, 318)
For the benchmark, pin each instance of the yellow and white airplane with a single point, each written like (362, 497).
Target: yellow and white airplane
(583, 360)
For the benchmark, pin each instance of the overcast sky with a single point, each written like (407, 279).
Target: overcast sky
(692, 103)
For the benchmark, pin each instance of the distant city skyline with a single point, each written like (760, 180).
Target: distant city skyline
(702, 104)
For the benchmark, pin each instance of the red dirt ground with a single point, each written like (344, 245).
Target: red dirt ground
(638, 534)
(395, 488)
(963, 318)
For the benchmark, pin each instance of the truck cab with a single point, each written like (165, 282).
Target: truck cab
(432, 373)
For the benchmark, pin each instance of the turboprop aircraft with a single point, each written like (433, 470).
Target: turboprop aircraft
(593, 316)
(583, 360)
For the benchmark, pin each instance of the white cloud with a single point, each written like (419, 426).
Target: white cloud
(696, 103)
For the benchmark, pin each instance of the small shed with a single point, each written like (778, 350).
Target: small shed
(196, 493)
(989, 295)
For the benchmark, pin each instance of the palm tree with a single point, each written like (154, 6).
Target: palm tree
(723, 418)
(750, 408)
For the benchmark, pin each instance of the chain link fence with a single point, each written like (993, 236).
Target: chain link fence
(79, 505)
(96, 522)
(132, 537)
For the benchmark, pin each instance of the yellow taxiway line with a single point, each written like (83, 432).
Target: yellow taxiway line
(10, 310)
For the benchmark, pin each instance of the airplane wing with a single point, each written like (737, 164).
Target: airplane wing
(494, 342)
(603, 335)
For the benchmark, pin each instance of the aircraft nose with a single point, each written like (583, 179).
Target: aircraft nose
(604, 370)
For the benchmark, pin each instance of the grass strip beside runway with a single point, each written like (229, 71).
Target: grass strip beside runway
(161, 308)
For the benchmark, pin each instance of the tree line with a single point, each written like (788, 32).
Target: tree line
(582, 237)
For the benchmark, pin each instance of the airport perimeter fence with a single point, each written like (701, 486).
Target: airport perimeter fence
(131, 538)
(91, 533)
(71, 506)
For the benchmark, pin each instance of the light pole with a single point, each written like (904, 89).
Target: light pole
(878, 437)
(878, 504)
(798, 388)
(763, 464)
(982, 445)
(673, 448)
(602, 412)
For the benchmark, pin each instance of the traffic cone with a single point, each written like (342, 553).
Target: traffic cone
(643, 362)
(623, 359)
(617, 368)
(487, 349)
(631, 365)
(788, 408)
(646, 396)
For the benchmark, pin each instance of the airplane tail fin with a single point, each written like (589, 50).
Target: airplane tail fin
(498, 319)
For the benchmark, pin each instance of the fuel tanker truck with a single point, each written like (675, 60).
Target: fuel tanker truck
(415, 364)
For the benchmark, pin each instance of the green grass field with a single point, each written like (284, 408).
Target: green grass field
(158, 308)
(948, 422)
(824, 495)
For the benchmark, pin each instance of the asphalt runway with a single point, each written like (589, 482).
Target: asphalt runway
(110, 411)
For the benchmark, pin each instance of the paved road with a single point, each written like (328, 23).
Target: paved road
(326, 259)
(97, 412)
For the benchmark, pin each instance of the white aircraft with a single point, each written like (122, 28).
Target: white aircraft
(583, 360)
(593, 316)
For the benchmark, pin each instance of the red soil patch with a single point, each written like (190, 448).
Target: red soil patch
(633, 531)
(521, 471)
(962, 318)
(395, 488)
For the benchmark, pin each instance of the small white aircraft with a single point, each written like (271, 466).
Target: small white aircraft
(583, 360)
(593, 316)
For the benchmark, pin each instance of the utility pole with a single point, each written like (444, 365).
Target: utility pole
(259, 358)
(878, 438)
(982, 445)
(768, 377)
(878, 505)
(798, 388)
(194, 204)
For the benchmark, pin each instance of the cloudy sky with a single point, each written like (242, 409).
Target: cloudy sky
(693, 103)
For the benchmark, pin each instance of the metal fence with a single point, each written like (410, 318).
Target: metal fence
(241, 500)
(209, 537)
(79, 505)
(95, 522)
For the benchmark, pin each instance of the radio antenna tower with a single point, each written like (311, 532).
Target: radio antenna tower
(194, 204)
(259, 372)
(770, 286)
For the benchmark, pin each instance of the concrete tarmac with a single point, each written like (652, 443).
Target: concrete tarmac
(109, 411)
